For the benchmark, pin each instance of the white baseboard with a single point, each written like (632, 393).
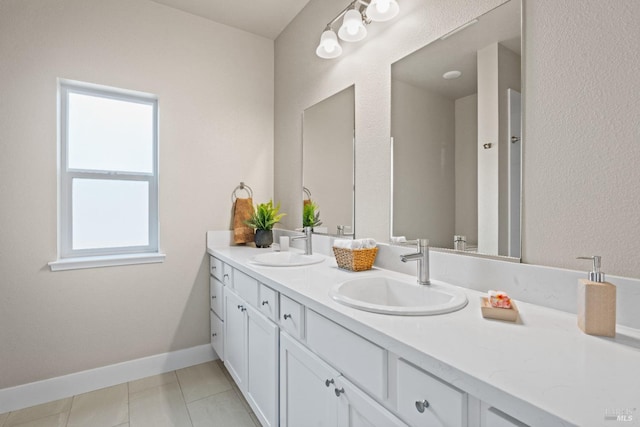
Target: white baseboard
(23, 396)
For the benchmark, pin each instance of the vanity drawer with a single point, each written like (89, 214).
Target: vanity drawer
(221, 271)
(355, 357)
(216, 290)
(217, 334)
(493, 417)
(246, 287)
(215, 267)
(292, 317)
(446, 407)
(268, 302)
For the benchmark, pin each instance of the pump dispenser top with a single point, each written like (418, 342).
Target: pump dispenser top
(595, 275)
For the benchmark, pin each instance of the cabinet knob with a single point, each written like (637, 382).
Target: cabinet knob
(287, 316)
(265, 302)
(329, 382)
(338, 392)
(421, 405)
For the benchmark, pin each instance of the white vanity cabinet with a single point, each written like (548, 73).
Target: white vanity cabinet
(235, 326)
(426, 400)
(216, 306)
(307, 397)
(298, 367)
(492, 417)
(251, 356)
(312, 393)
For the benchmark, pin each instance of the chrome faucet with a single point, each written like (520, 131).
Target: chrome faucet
(422, 256)
(308, 234)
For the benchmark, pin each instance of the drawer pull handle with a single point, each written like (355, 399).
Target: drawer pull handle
(421, 405)
(338, 392)
(226, 276)
(213, 267)
(265, 302)
(329, 382)
(214, 297)
(214, 335)
(287, 316)
(239, 307)
(243, 309)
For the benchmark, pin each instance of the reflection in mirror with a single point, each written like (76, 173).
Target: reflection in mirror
(328, 131)
(455, 123)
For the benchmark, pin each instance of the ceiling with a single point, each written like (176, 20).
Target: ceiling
(266, 18)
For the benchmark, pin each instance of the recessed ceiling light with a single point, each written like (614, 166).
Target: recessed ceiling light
(449, 75)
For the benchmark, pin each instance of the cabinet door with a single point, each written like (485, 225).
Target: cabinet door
(217, 334)
(262, 367)
(216, 291)
(307, 396)
(235, 346)
(356, 409)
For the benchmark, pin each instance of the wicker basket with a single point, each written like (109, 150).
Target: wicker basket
(355, 259)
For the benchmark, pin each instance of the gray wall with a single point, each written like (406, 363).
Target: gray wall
(581, 138)
(215, 91)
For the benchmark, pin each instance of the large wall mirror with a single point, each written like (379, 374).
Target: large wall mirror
(328, 132)
(456, 128)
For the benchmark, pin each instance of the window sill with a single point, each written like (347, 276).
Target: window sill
(105, 261)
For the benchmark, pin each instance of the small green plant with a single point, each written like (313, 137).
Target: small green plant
(311, 215)
(265, 216)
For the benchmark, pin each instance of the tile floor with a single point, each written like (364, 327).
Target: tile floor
(197, 396)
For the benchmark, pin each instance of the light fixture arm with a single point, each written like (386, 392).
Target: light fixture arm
(351, 5)
(355, 17)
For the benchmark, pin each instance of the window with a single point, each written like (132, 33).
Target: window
(108, 179)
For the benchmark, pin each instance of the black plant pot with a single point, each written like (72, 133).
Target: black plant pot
(264, 238)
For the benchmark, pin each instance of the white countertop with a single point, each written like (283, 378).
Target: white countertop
(542, 370)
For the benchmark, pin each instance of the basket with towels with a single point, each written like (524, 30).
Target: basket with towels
(356, 254)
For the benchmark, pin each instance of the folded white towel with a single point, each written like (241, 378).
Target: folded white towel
(398, 239)
(355, 244)
(342, 243)
(369, 243)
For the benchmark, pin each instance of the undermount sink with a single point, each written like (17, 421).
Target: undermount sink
(392, 296)
(287, 259)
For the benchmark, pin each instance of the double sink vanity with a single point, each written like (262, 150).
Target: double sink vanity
(312, 345)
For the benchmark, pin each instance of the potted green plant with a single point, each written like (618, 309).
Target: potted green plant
(263, 219)
(310, 215)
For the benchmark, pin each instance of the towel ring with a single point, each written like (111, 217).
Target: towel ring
(307, 192)
(244, 187)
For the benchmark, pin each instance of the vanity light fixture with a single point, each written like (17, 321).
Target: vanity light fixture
(382, 10)
(354, 18)
(352, 29)
(329, 47)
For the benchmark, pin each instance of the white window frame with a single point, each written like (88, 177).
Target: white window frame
(69, 258)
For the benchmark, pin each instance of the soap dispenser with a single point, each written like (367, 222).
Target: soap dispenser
(596, 302)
